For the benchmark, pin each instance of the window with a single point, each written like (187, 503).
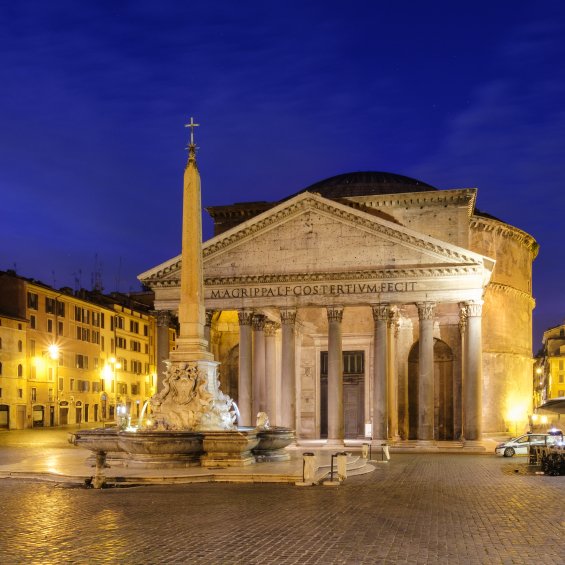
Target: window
(96, 319)
(20, 393)
(50, 305)
(136, 367)
(146, 349)
(135, 388)
(61, 383)
(95, 336)
(50, 326)
(81, 361)
(561, 378)
(33, 394)
(20, 345)
(32, 322)
(135, 345)
(96, 363)
(561, 393)
(83, 386)
(134, 327)
(102, 344)
(20, 370)
(560, 364)
(122, 388)
(72, 387)
(121, 342)
(145, 330)
(0, 367)
(102, 320)
(83, 334)
(0, 343)
(119, 323)
(50, 397)
(0, 393)
(32, 347)
(60, 328)
(61, 309)
(32, 300)
(96, 387)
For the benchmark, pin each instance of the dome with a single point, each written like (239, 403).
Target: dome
(366, 184)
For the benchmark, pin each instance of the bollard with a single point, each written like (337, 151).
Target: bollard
(99, 477)
(365, 451)
(386, 452)
(341, 466)
(308, 469)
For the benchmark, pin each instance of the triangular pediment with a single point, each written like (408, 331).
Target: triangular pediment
(311, 234)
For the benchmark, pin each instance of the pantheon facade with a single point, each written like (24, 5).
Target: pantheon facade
(367, 305)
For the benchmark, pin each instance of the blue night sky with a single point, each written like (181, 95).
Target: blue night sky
(94, 95)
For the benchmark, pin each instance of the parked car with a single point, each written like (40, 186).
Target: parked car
(521, 445)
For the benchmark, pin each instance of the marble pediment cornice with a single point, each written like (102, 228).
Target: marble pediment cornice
(511, 291)
(480, 223)
(344, 212)
(441, 271)
(455, 196)
(168, 273)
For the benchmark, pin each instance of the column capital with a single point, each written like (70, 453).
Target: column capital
(209, 314)
(258, 322)
(271, 328)
(381, 312)
(335, 313)
(394, 319)
(474, 309)
(288, 316)
(245, 317)
(463, 314)
(426, 310)
(163, 318)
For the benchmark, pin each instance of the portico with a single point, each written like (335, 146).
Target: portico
(312, 282)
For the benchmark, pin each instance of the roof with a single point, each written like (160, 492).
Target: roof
(366, 183)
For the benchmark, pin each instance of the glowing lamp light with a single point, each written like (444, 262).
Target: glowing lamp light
(53, 351)
(544, 419)
(535, 418)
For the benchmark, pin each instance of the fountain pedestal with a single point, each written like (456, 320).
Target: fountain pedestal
(229, 448)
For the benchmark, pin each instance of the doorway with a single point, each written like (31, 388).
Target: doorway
(353, 394)
(444, 417)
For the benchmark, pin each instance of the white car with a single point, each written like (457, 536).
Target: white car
(521, 445)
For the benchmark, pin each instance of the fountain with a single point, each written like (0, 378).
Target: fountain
(193, 422)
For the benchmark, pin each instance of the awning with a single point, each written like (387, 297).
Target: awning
(553, 406)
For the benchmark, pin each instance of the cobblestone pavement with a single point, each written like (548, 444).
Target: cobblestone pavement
(415, 509)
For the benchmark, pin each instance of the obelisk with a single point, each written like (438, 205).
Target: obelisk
(191, 342)
(191, 398)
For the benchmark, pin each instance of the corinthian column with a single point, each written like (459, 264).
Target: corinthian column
(392, 375)
(258, 364)
(271, 372)
(336, 430)
(380, 400)
(426, 312)
(245, 364)
(473, 376)
(288, 369)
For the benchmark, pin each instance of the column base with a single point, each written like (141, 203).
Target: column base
(335, 442)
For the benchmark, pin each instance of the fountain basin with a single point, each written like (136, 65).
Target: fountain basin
(272, 443)
(229, 448)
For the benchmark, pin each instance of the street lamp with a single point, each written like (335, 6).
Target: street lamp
(110, 372)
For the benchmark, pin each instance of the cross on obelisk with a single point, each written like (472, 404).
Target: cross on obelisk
(191, 125)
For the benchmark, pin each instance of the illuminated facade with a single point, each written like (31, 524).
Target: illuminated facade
(67, 358)
(549, 368)
(368, 303)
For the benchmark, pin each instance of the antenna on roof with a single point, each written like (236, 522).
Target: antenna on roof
(96, 277)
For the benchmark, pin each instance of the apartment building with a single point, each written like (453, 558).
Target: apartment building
(72, 357)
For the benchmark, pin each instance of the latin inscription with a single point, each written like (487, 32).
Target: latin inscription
(312, 290)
